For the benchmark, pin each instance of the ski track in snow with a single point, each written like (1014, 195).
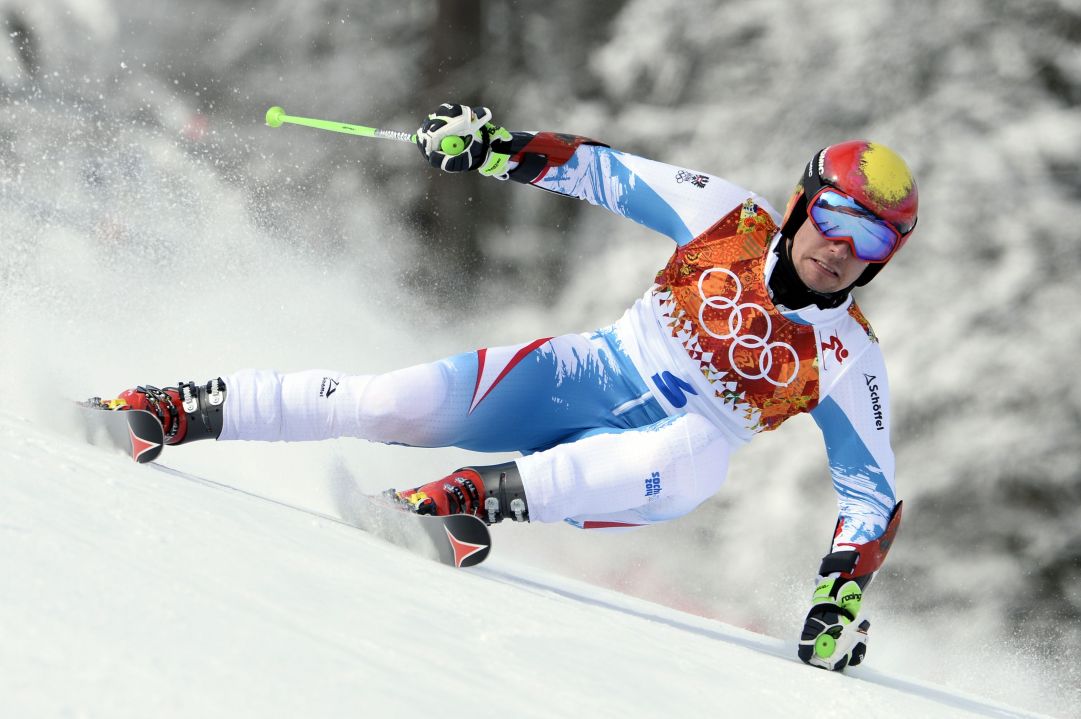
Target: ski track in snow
(133, 591)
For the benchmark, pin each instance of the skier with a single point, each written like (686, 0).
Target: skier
(751, 322)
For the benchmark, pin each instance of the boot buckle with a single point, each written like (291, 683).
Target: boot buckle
(188, 399)
(215, 395)
(491, 506)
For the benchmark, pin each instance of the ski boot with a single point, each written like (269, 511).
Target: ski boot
(492, 493)
(187, 412)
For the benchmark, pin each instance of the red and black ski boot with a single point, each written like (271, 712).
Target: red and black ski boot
(187, 412)
(492, 493)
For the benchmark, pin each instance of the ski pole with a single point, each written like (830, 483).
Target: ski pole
(275, 116)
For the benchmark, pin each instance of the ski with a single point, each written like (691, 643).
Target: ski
(460, 540)
(136, 432)
(457, 540)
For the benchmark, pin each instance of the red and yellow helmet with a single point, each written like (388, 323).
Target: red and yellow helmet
(872, 175)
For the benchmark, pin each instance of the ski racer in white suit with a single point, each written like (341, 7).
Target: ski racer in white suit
(750, 323)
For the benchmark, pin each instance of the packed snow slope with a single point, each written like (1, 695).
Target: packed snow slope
(132, 591)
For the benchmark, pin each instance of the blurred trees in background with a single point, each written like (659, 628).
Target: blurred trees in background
(495, 53)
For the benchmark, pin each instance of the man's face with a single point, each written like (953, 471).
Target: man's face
(824, 265)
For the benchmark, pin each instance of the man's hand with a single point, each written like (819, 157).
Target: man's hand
(833, 635)
(458, 138)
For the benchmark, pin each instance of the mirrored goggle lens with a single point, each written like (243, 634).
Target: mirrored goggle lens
(839, 217)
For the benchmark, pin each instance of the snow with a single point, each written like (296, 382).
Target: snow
(136, 592)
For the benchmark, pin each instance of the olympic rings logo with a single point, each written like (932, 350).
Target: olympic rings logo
(735, 310)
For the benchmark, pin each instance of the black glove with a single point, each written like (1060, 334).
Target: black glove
(833, 635)
(458, 138)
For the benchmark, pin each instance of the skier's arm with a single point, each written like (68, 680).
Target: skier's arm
(854, 419)
(674, 201)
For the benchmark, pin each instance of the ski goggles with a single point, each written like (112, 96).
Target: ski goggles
(839, 217)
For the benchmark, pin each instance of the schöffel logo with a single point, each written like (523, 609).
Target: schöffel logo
(876, 400)
(328, 387)
(653, 484)
(692, 177)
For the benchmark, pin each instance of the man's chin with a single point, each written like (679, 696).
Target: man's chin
(820, 281)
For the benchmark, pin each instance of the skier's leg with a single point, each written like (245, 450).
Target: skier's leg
(634, 477)
(519, 398)
(610, 477)
(403, 406)
(524, 397)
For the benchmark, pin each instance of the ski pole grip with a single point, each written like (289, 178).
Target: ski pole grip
(452, 146)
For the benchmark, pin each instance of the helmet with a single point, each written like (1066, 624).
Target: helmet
(871, 174)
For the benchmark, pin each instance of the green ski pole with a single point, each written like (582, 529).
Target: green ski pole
(276, 116)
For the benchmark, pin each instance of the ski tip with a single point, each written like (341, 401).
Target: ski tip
(275, 116)
(468, 541)
(134, 431)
